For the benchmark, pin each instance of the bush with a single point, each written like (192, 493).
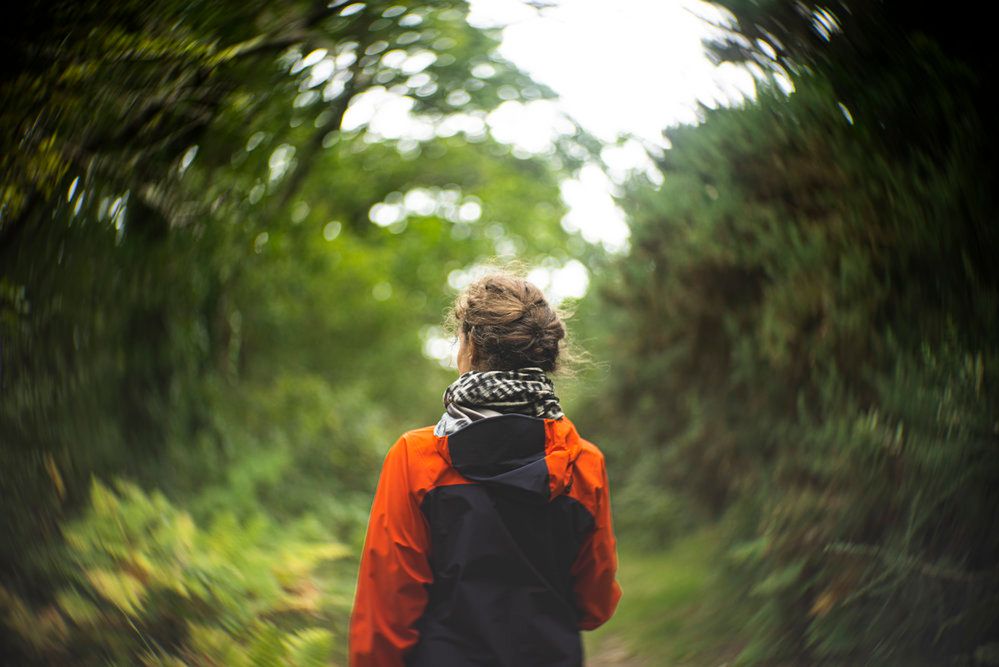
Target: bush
(806, 346)
(146, 585)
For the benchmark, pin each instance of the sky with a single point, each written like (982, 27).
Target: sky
(619, 67)
(622, 67)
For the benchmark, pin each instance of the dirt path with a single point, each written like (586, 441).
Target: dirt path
(613, 652)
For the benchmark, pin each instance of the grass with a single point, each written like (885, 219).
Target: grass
(669, 613)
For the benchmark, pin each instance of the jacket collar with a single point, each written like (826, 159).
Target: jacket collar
(528, 454)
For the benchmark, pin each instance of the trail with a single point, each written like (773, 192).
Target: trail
(614, 652)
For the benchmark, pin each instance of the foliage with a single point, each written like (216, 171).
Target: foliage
(806, 349)
(217, 280)
(672, 610)
(153, 588)
(910, 76)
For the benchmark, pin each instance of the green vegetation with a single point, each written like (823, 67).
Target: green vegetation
(216, 286)
(670, 613)
(240, 593)
(214, 297)
(806, 345)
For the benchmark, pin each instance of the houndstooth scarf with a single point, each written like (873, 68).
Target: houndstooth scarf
(479, 394)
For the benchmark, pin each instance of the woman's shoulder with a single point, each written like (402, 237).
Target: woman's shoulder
(417, 442)
(590, 449)
(417, 452)
(589, 473)
(590, 464)
(418, 435)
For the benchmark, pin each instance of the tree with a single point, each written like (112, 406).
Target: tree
(807, 342)
(210, 285)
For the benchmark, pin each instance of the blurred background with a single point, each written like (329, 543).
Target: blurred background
(229, 233)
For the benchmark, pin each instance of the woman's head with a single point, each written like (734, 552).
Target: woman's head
(505, 322)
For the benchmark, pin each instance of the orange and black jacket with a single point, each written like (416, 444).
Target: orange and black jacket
(490, 546)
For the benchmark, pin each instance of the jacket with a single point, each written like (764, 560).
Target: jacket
(490, 546)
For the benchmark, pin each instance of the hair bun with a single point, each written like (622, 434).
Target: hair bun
(510, 324)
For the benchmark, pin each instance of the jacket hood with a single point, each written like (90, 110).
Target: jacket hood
(523, 454)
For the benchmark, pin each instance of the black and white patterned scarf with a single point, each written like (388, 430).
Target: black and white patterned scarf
(479, 394)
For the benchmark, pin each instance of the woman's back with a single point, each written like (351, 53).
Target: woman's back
(490, 539)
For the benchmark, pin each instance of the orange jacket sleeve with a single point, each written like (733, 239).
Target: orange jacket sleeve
(597, 591)
(392, 582)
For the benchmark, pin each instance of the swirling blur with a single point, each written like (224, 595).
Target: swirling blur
(221, 285)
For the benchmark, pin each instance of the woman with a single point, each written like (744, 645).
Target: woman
(490, 539)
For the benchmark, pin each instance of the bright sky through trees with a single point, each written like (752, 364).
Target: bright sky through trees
(625, 67)
(631, 67)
